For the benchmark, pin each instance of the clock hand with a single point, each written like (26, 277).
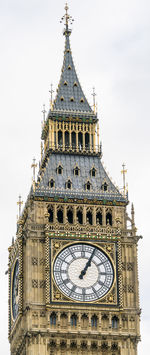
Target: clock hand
(83, 272)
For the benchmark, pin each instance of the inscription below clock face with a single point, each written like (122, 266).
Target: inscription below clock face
(83, 272)
(15, 290)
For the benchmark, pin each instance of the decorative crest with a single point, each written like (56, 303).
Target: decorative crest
(124, 171)
(19, 203)
(66, 19)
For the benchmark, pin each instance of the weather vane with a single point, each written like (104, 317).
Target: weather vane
(51, 91)
(19, 203)
(124, 171)
(66, 19)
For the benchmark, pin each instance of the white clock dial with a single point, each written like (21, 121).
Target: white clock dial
(83, 272)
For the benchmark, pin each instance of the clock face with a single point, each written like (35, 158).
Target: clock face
(83, 272)
(15, 290)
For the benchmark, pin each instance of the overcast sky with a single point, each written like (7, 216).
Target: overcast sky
(111, 50)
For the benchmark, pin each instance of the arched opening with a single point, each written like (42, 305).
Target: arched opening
(89, 217)
(80, 140)
(88, 186)
(84, 346)
(87, 143)
(51, 183)
(53, 319)
(93, 172)
(63, 345)
(80, 217)
(73, 346)
(94, 321)
(99, 218)
(73, 139)
(76, 171)
(66, 139)
(115, 322)
(73, 320)
(60, 216)
(105, 186)
(60, 140)
(70, 216)
(59, 170)
(109, 218)
(68, 184)
(94, 347)
(50, 218)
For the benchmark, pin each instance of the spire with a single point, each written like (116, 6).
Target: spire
(70, 96)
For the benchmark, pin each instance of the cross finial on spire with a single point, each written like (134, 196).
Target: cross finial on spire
(123, 171)
(51, 99)
(19, 203)
(66, 19)
(94, 102)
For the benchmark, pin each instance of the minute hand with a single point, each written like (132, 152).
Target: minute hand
(83, 272)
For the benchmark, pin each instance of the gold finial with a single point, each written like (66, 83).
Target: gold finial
(34, 166)
(19, 203)
(44, 112)
(123, 171)
(66, 19)
(94, 102)
(51, 99)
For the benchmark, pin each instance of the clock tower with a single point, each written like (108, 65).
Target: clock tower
(73, 276)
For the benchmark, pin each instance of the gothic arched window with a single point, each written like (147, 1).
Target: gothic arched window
(67, 139)
(59, 170)
(50, 218)
(105, 186)
(109, 218)
(89, 217)
(51, 183)
(60, 216)
(93, 172)
(68, 184)
(73, 139)
(94, 321)
(70, 216)
(80, 217)
(76, 171)
(73, 320)
(87, 140)
(60, 140)
(115, 322)
(53, 318)
(99, 218)
(80, 140)
(88, 186)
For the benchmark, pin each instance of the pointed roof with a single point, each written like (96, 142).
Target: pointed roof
(68, 162)
(70, 96)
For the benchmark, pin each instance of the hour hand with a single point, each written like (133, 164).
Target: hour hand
(83, 272)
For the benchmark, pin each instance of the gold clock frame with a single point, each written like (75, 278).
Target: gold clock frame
(12, 278)
(111, 298)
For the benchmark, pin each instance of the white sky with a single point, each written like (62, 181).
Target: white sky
(111, 50)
